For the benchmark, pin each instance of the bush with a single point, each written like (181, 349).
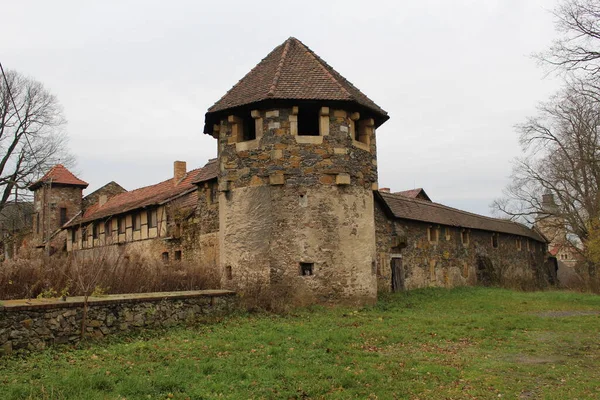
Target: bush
(48, 276)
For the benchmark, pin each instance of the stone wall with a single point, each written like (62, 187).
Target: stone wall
(48, 200)
(292, 201)
(35, 324)
(448, 262)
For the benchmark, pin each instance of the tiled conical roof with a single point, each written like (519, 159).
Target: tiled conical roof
(59, 175)
(294, 72)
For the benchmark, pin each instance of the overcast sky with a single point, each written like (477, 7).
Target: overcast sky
(136, 77)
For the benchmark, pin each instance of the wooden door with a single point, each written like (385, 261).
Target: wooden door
(397, 274)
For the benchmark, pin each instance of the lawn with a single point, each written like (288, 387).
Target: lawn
(426, 344)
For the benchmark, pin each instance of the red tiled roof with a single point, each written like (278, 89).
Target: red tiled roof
(59, 175)
(414, 194)
(293, 71)
(143, 197)
(208, 172)
(427, 211)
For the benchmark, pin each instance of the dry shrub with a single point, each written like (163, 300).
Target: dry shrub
(55, 276)
(257, 294)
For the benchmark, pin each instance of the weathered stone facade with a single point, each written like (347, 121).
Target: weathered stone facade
(35, 324)
(454, 256)
(50, 202)
(289, 200)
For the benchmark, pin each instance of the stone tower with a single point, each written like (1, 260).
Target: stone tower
(57, 199)
(297, 169)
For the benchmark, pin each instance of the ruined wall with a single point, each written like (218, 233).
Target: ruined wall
(35, 324)
(449, 263)
(289, 201)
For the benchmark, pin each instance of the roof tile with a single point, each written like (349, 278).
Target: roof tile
(427, 211)
(292, 71)
(59, 175)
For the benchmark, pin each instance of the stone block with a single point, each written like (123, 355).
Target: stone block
(340, 150)
(327, 179)
(272, 114)
(276, 154)
(342, 179)
(277, 179)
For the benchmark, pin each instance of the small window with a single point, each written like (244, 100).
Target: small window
(108, 228)
(518, 244)
(136, 221)
(37, 223)
(495, 240)
(308, 121)
(464, 237)
(528, 245)
(248, 128)
(228, 272)
(306, 269)
(447, 233)
(356, 125)
(95, 231)
(177, 255)
(84, 235)
(121, 225)
(151, 215)
(165, 257)
(63, 216)
(73, 235)
(432, 234)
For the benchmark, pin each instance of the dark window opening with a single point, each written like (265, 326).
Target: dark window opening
(95, 231)
(37, 223)
(108, 228)
(165, 257)
(306, 269)
(464, 237)
(248, 128)
(63, 216)
(229, 272)
(433, 234)
(308, 121)
(495, 240)
(84, 236)
(151, 215)
(121, 225)
(177, 255)
(214, 193)
(73, 235)
(136, 221)
(356, 130)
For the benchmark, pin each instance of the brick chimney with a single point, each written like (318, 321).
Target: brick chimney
(385, 190)
(179, 170)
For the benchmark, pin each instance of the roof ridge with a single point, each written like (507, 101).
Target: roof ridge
(324, 66)
(273, 87)
(246, 75)
(438, 205)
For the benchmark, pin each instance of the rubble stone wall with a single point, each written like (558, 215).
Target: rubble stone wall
(448, 262)
(289, 200)
(35, 324)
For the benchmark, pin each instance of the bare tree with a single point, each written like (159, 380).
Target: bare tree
(578, 49)
(89, 269)
(31, 139)
(561, 156)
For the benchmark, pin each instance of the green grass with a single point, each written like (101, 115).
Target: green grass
(425, 344)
